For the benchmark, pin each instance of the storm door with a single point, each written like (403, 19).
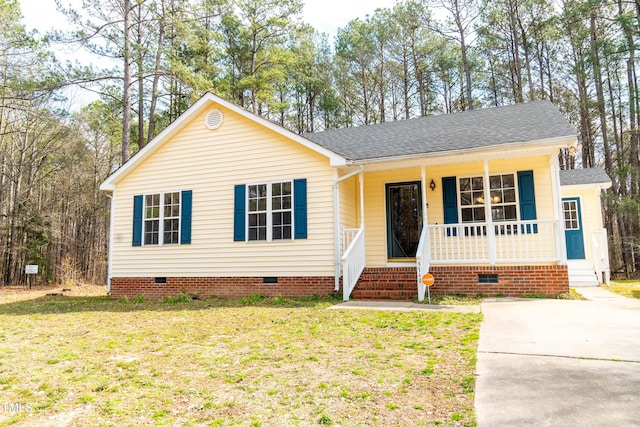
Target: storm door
(404, 220)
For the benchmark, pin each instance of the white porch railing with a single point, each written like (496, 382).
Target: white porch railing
(422, 261)
(353, 263)
(346, 237)
(600, 253)
(513, 241)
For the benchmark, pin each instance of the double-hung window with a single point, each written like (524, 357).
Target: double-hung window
(270, 211)
(472, 199)
(502, 190)
(512, 198)
(162, 218)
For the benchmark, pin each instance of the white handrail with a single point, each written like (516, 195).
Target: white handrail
(353, 263)
(600, 255)
(422, 261)
(348, 234)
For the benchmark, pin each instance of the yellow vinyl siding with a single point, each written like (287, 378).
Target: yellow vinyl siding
(375, 209)
(375, 216)
(541, 180)
(591, 212)
(349, 202)
(210, 163)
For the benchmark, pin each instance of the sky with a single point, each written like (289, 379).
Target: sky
(325, 15)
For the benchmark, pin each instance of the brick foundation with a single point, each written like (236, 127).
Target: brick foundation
(513, 281)
(204, 287)
(401, 283)
(375, 283)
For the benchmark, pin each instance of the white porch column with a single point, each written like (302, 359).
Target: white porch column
(423, 171)
(491, 232)
(361, 179)
(558, 214)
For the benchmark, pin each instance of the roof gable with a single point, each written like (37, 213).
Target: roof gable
(490, 127)
(208, 101)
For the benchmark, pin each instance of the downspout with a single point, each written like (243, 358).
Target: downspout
(110, 252)
(336, 223)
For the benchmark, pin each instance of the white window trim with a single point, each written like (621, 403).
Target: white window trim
(516, 188)
(161, 218)
(269, 211)
(576, 201)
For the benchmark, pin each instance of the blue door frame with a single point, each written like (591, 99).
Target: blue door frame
(573, 232)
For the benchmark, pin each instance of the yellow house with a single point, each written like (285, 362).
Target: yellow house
(585, 235)
(224, 202)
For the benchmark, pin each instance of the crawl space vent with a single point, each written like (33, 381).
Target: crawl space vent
(213, 119)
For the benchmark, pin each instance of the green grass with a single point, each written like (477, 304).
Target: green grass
(627, 288)
(252, 361)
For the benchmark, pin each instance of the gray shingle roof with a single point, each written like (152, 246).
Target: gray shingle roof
(532, 121)
(584, 176)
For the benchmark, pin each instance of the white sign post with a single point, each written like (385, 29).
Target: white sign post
(30, 270)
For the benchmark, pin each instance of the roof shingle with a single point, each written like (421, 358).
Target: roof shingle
(533, 121)
(584, 176)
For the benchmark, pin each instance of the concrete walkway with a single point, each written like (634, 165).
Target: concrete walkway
(384, 305)
(559, 363)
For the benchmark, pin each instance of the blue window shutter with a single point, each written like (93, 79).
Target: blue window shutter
(300, 208)
(185, 217)
(239, 212)
(450, 203)
(137, 221)
(527, 195)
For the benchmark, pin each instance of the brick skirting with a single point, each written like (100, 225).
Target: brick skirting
(204, 287)
(375, 283)
(513, 281)
(401, 282)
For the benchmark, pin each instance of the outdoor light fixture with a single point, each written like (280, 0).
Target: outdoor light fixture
(432, 185)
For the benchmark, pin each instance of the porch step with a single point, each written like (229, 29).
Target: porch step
(581, 273)
(399, 295)
(390, 284)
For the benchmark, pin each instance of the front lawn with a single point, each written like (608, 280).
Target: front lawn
(253, 361)
(627, 288)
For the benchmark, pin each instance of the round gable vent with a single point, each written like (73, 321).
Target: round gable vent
(213, 119)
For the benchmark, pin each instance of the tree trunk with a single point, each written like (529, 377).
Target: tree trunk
(126, 97)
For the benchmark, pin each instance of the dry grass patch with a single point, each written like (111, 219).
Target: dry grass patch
(11, 294)
(627, 288)
(253, 362)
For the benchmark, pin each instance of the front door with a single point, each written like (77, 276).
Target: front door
(404, 220)
(573, 228)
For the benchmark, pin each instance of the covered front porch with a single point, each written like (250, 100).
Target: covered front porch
(476, 226)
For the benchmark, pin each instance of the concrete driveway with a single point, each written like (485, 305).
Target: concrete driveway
(559, 363)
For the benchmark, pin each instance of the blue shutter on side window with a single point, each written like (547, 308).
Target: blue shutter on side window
(239, 212)
(185, 217)
(527, 198)
(450, 203)
(300, 208)
(137, 221)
